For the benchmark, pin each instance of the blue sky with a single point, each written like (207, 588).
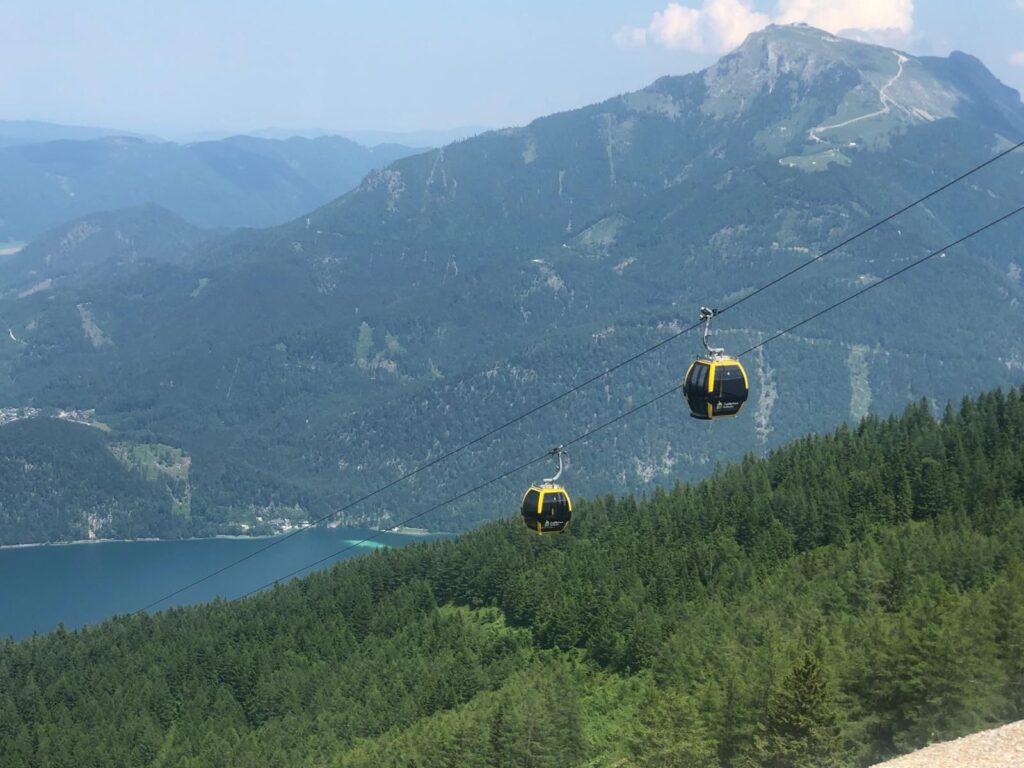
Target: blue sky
(227, 65)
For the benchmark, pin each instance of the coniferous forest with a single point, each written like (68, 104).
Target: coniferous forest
(851, 597)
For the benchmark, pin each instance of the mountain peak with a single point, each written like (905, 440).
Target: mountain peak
(801, 50)
(799, 33)
(802, 60)
(840, 93)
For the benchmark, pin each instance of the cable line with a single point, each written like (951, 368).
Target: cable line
(873, 227)
(575, 388)
(885, 279)
(631, 411)
(453, 499)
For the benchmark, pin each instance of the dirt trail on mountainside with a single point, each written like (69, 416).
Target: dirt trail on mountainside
(998, 748)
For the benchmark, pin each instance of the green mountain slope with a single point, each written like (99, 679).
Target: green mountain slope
(112, 240)
(239, 181)
(877, 571)
(459, 287)
(65, 480)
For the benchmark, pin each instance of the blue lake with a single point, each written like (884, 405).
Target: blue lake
(78, 584)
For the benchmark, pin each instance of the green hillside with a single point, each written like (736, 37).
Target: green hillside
(851, 597)
(66, 478)
(310, 363)
(110, 241)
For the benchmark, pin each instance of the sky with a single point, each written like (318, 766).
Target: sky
(230, 65)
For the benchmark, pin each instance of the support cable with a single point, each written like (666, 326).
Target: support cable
(625, 414)
(551, 401)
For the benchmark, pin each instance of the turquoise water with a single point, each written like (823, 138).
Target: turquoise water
(79, 584)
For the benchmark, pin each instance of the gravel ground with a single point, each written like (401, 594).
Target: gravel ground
(998, 748)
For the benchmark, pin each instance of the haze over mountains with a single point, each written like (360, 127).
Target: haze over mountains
(21, 132)
(421, 138)
(236, 181)
(302, 365)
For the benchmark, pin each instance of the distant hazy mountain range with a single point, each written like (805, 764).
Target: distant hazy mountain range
(291, 369)
(423, 138)
(234, 182)
(15, 132)
(435, 138)
(20, 132)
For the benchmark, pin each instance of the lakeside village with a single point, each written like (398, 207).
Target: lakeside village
(262, 526)
(282, 525)
(273, 526)
(11, 414)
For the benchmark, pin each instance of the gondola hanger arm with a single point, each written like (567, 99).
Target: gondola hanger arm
(557, 452)
(705, 315)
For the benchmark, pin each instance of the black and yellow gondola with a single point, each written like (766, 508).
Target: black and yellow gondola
(714, 388)
(715, 385)
(546, 506)
(546, 509)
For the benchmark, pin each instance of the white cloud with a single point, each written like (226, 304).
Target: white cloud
(677, 27)
(1017, 58)
(721, 25)
(631, 37)
(718, 25)
(839, 15)
(731, 21)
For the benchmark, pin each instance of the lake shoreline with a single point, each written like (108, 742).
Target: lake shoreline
(44, 585)
(396, 531)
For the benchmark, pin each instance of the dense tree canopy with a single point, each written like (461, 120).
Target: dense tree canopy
(851, 597)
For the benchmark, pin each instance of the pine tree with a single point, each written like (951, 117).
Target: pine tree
(931, 497)
(671, 733)
(800, 729)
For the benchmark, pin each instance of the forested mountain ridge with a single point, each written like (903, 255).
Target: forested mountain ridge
(308, 364)
(851, 597)
(233, 182)
(63, 480)
(111, 240)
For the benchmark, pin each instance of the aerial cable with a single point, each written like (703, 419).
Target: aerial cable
(551, 401)
(626, 414)
(542, 457)
(876, 225)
